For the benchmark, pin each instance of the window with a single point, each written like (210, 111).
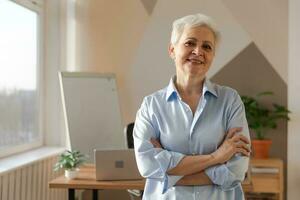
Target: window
(20, 69)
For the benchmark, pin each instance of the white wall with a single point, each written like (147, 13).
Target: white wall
(55, 59)
(294, 101)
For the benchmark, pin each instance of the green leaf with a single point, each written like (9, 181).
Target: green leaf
(259, 117)
(70, 159)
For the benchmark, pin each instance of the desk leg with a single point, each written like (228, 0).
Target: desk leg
(71, 194)
(95, 194)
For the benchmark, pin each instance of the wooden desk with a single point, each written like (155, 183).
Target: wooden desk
(268, 183)
(86, 180)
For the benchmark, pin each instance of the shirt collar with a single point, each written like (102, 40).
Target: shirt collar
(172, 91)
(209, 87)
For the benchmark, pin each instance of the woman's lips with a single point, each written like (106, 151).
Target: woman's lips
(193, 60)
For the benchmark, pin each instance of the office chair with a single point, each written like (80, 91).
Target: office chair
(129, 135)
(128, 131)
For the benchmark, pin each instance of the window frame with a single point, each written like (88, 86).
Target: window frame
(37, 7)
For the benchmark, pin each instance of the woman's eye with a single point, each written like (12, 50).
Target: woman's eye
(207, 47)
(189, 43)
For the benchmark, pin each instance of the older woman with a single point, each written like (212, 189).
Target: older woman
(191, 138)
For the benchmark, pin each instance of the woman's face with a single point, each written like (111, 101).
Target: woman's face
(194, 52)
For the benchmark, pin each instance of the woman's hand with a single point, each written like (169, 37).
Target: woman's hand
(233, 143)
(155, 143)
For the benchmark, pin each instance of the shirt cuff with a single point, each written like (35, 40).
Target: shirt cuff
(170, 181)
(221, 176)
(173, 159)
(168, 160)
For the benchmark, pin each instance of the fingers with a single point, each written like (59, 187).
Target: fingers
(155, 143)
(244, 146)
(242, 138)
(243, 152)
(230, 134)
(232, 131)
(241, 144)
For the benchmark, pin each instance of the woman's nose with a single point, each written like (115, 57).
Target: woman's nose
(197, 51)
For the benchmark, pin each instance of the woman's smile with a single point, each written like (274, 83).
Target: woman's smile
(194, 52)
(195, 61)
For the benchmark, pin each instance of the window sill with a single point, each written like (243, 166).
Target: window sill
(13, 162)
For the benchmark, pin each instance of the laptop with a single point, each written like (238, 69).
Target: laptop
(116, 165)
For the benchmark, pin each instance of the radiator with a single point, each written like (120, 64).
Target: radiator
(31, 182)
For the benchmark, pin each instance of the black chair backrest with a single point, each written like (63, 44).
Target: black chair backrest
(129, 135)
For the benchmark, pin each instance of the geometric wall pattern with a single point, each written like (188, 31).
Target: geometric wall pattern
(267, 24)
(251, 73)
(251, 58)
(263, 30)
(151, 63)
(149, 5)
(252, 67)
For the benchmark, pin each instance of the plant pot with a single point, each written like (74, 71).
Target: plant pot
(261, 148)
(71, 173)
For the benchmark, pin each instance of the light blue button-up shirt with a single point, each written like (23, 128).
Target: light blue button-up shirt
(163, 115)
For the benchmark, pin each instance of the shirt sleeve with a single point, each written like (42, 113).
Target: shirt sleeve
(232, 173)
(153, 163)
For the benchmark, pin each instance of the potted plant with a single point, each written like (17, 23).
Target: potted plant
(70, 161)
(260, 119)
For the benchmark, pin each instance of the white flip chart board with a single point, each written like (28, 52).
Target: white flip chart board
(92, 112)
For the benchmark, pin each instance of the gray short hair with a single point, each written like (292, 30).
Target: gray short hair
(191, 21)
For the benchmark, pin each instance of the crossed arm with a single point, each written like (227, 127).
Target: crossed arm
(225, 167)
(192, 167)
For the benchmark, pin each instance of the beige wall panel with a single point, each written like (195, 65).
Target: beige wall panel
(5, 185)
(18, 185)
(294, 101)
(107, 37)
(11, 187)
(23, 182)
(29, 182)
(267, 24)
